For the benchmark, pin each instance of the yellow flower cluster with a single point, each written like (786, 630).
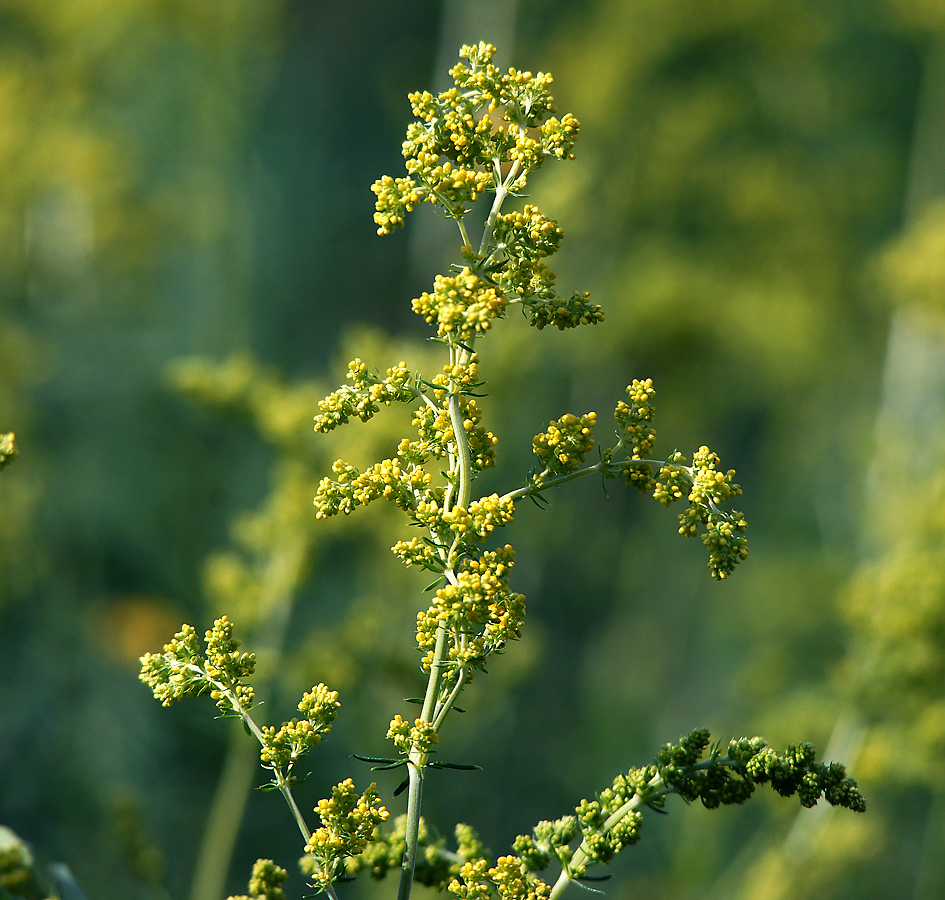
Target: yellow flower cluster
(479, 609)
(705, 487)
(182, 670)
(635, 431)
(560, 136)
(452, 117)
(508, 878)
(348, 822)
(434, 428)
(435, 865)
(391, 479)
(527, 235)
(8, 451)
(296, 737)
(265, 883)
(482, 517)
(436, 432)
(293, 740)
(674, 480)
(564, 446)
(462, 306)
(578, 310)
(406, 736)
(365, 395)
(724, 537)
(395, 198)
(709, 485)
(320, 704)
(456, 148)
(417, 552)
(525, 97)
(453, 186)
(522, 241)
(458, 378)
(635, 419)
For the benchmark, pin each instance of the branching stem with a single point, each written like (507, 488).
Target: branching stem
(656, 787)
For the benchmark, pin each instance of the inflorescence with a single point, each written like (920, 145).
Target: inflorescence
(485, 135)
(184, 669)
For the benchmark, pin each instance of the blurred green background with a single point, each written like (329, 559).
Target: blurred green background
(757, 201)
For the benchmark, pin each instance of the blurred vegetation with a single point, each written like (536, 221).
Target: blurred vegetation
(188, 260)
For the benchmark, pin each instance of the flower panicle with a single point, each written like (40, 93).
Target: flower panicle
(365, 395)
(182, 669)
(349, 820)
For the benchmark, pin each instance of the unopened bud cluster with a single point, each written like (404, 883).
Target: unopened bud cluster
(600, 828)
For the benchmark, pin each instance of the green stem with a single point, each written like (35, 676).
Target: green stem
(463, 455)
(280, 779)
(409, 861)
(458, 494)
(415, 765)
(286, 792)
(501, 192)
(451, 699)
(529, 489)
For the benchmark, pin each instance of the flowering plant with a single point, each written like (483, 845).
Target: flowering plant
(485, 136)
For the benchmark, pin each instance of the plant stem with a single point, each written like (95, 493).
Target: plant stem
(552, 482)
(463, 455)
(431, 713)
(280, 779)
(414, 799)
(457, 494)
(415, 766)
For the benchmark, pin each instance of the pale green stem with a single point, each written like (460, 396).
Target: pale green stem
(461, 485)
(228, 806)
(528, 489)
(451, 699)
(281, 781)
(501, 192)
(601, 466)
(415, 765)
(463, 455)
(656, 789)
(461, 469)
(414, 798)
(462, 232)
